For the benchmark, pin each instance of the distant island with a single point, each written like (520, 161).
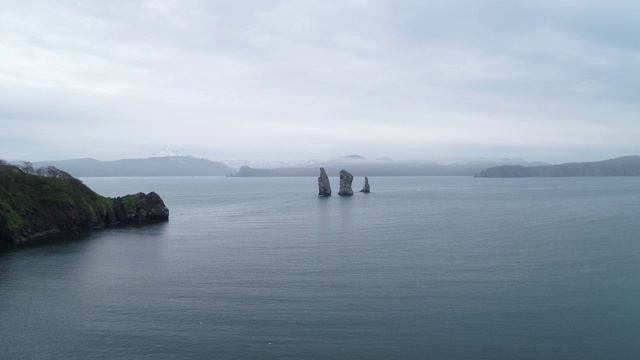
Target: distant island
(622, 166)
(48, 200)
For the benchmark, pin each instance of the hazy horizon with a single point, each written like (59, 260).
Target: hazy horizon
(336, 159)
(551, 81)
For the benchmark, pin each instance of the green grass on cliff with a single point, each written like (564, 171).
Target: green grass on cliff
(25, 197)
(14, 219)
(130, 202)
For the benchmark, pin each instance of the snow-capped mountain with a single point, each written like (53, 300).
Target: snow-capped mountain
(165, 152)
(308, 163)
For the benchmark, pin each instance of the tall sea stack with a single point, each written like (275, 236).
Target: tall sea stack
(365, 188)
(324, 188)
(345, 183)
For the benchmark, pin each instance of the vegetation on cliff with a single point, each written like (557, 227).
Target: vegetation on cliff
(48, 200)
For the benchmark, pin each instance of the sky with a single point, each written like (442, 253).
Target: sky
(548, 80)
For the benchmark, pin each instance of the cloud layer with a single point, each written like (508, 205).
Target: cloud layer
(544, 80)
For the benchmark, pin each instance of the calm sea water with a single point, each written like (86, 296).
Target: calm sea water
(262, 268)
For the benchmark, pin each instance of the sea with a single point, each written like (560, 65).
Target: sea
(263, 268)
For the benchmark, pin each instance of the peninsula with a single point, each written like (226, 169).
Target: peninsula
(48, 200)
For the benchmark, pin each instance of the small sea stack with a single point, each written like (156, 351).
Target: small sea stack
(345, 183)
(365, 188)
(324, 187)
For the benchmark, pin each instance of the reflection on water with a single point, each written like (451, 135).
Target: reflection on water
(69, 238)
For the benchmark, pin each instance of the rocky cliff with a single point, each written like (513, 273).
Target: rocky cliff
(52, 201)
(345, 183)
(366, 188)
(324, 187)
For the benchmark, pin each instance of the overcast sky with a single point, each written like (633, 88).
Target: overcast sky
(551, 80)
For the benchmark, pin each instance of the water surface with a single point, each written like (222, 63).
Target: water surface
(423, 267)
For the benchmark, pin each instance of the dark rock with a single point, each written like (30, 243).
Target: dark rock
(365, 188)
(32, 205)
(345, 183)
(324, 187)
(140, 207)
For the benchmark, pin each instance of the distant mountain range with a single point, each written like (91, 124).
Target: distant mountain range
(168, 162)
(153, 166)
(622, 166)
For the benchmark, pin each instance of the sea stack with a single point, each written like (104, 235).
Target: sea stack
(365, 188)
(324, 188)
(345, 183)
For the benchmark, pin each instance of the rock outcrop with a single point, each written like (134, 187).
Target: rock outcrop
(324, 187)
(54, 201)
(140, 207)
(345, 183)
(366, 188)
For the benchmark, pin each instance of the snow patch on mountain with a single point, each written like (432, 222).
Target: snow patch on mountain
(166, 152)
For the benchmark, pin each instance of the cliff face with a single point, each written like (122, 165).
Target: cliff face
(345, 183)
(140, 207)
(54, 201)
(324, 187)
(366, 188)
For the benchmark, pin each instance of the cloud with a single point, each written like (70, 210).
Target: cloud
(306, 79)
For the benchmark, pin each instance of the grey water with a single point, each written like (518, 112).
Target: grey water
(262, 268)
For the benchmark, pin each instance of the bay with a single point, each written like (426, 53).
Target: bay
(423, 267)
